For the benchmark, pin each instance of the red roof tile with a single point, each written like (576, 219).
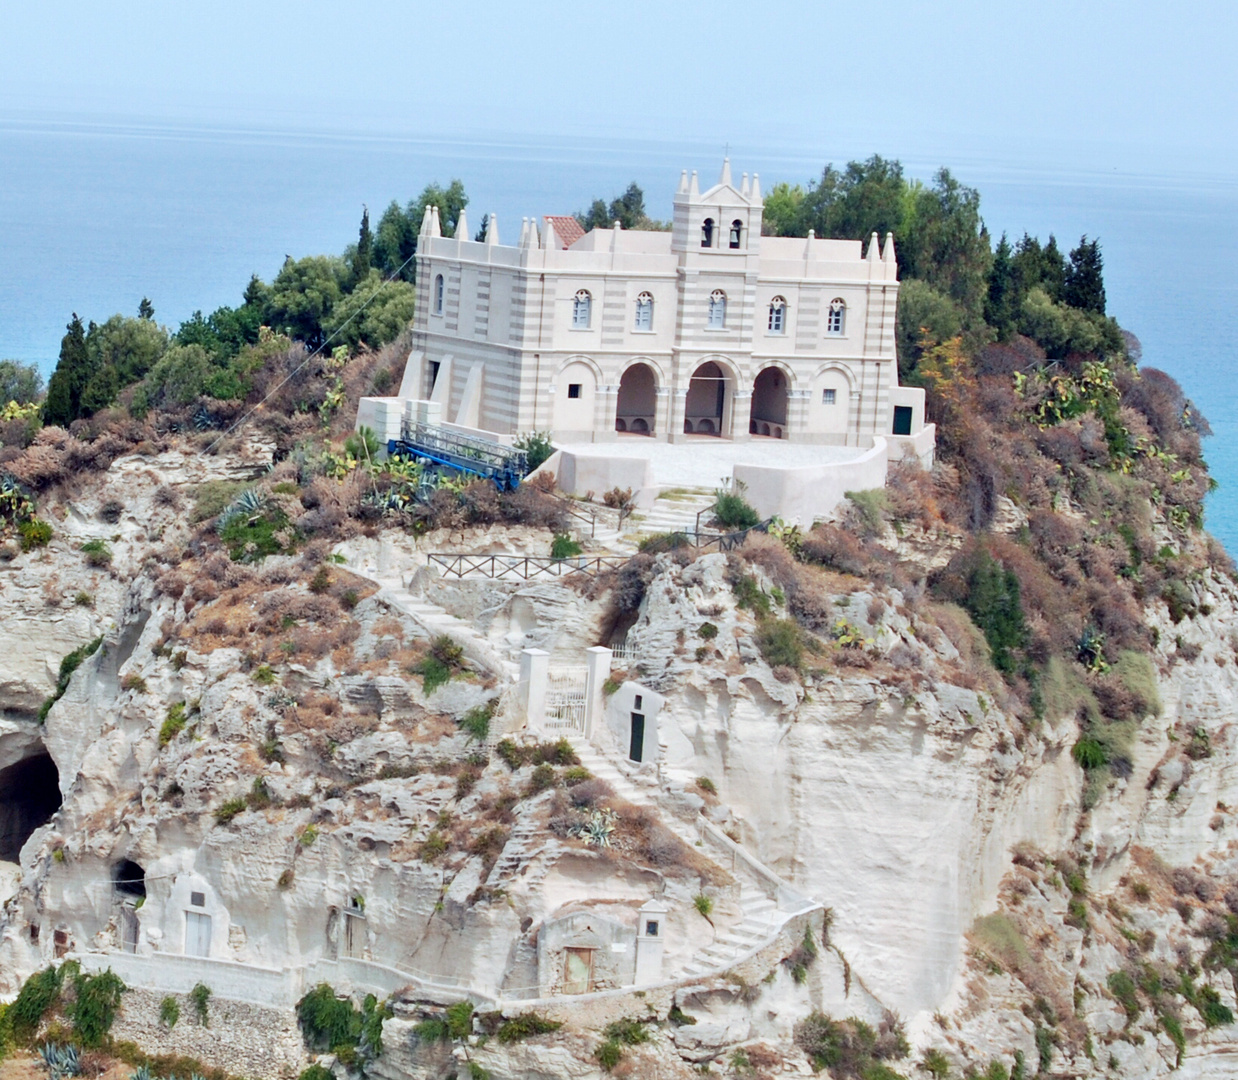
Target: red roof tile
(567, 229)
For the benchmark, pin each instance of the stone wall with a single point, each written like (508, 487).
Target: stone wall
(244, 1039)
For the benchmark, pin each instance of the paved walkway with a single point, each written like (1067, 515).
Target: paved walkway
(705, 462)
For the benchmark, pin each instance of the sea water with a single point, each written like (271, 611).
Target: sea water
(93, 218)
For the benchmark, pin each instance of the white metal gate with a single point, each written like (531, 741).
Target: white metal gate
(197, 934)
(566, 701)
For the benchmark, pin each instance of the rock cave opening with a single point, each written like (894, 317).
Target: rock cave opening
(29, 796)
(129, 879)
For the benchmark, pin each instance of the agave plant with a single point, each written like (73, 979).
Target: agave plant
(60, 1061)
(142, 1072)
(597, 829)
(248, 503)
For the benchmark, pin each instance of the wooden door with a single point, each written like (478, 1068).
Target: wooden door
(577, 971)
(197, 934)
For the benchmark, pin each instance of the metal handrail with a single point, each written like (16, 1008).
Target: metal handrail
(522, 567)
(505, 465)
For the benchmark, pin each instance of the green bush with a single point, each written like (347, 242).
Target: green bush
(252, 538)
(173, 724)
(1138, 676)
(1090, 754)
(229, 810)
(731, 511)
(460, 1019)
(703, 904)
(1213, 1011)
(564, 546)
(316, 1072)
(96, 1001)
(525, 1026)
(37, 996)
(169, 1012)
(994, 603)
(707, 631)
(476, 722)
(537, 447)
(609, 1054)
(328, 1021)
(98, 553)
(34, 533)
(781, 643)
(68, 665)
(707, 785)
(200, 999)
(542, 778)
(264, 674)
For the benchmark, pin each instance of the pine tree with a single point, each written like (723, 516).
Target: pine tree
(146, 310)
(481, 233)
(365, 246)
(1000, 305)
(64, 388)
(1084, 287)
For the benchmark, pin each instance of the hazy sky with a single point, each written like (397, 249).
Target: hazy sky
(1133, 86)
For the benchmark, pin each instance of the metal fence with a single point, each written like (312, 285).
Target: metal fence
(521, 567)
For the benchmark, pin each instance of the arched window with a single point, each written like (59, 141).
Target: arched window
(438, 294)
(737, 232)
(836, 317)
(581, 310)
(717, 310)
(778, 315)
(644, 311)
(707, 232)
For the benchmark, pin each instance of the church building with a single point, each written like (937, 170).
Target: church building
(710, 329)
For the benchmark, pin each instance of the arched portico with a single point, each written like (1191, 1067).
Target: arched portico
(636, 408)
(768, 415)
(707, 405)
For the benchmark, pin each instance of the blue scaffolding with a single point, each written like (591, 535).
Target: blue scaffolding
(504, 465)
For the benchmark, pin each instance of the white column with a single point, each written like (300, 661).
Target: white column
(650, 942)
(531, 692)
(597, 661)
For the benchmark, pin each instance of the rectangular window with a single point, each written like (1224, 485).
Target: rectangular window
(651, 928)
(639, 699)
(828, 396)
(434, 364)
(573, 390)
(197, 899)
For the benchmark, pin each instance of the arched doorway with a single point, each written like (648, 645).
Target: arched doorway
(637, 406)
(705, 406)
(769, 404)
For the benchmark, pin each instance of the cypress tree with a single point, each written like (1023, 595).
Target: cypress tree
(1084, 287)
(64, 388)
(481, 233)
(365, 247)
(146, 310)
(1052, 269)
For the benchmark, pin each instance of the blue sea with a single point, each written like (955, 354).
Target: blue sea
(94, 217)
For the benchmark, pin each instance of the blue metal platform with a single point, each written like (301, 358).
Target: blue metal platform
(485, 458)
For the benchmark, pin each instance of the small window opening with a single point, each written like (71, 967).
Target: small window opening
(737, 232)
(707, 233)
(828, 395)
(644, 311)
(573, 389)
(717, 310)
(836, 318)
(197, 899)
(582, 304)
(438, 294)
(434, 366)
(777, 315)
(651, 928)
(638, 701)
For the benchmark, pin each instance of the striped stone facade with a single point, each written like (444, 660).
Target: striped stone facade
(541, 337)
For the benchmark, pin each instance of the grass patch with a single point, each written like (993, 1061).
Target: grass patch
(525, 1026)
(173, 724)
(68, 665)
(781, 643)
(1000, 938)
(213, 497)
(252, 539)
(98, 553)
(34, 533)
(230, 809)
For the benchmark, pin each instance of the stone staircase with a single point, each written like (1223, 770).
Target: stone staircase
(676, 512)
(601, 767)
(759, 922)
(515, 852)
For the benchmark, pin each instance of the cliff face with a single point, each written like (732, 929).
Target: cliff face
(255, 735)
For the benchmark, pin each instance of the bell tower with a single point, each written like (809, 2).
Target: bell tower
(724, 221)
